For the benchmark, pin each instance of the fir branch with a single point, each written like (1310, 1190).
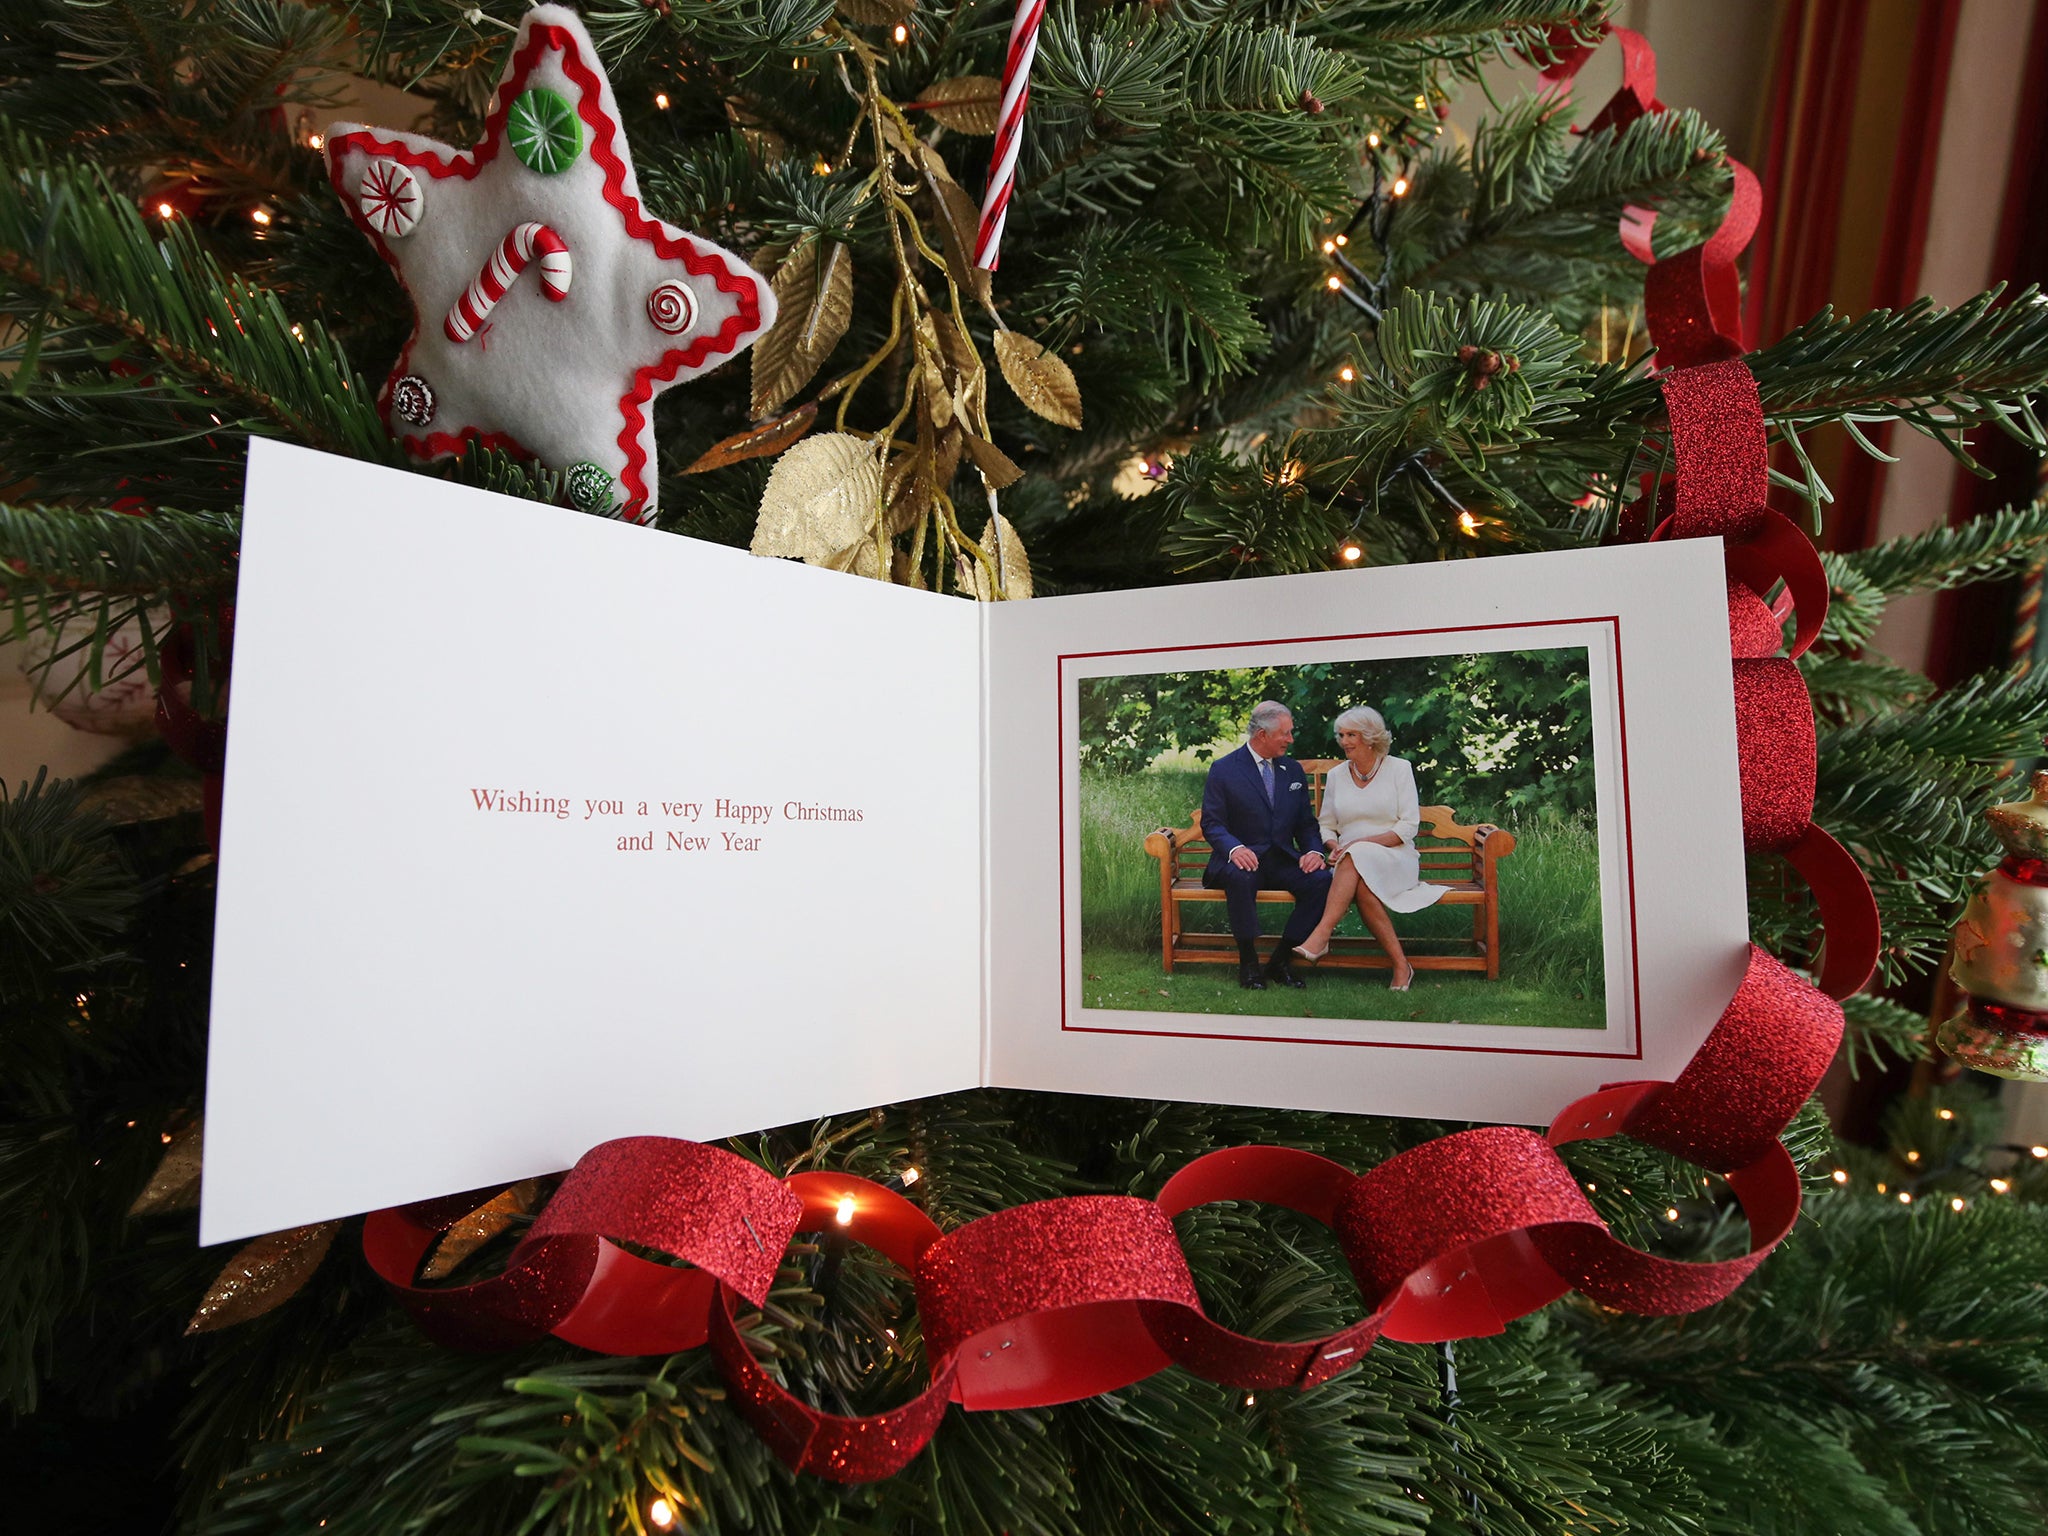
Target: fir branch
(70, 551)
(1940, 371)
(1988, 719)
(73, 252)
(1532, 210)
(63, 893)
(1855, 605)
(1845, 687)
(1150, 277)
(2010, 542)
(1448, 30)
(175, 97)
(1881, 1032)
(42, 1179)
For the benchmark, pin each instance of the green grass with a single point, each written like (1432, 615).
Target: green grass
(1551, 972)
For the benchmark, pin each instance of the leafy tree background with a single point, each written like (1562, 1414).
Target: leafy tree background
(1497, 730)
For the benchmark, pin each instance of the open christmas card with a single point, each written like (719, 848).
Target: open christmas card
(679, 841)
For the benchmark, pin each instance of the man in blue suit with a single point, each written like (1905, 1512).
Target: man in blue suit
(1258, 813)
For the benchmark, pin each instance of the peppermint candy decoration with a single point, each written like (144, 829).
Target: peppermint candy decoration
(412, 400)
(589, 486)
(499, 273)
(672, 307)
(391, 198)
(546, 134)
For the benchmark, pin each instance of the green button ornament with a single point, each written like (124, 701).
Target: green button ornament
(546, 134)
(589, 486)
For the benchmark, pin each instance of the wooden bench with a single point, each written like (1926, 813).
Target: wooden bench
(1464, 860)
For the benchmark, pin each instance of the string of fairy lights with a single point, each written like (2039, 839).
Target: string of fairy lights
(1923, 1172)
(1390, 161)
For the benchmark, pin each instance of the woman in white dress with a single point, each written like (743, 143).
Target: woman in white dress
(1370, 817)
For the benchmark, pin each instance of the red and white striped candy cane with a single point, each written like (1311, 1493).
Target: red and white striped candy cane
(503, 269)
(1002, 173)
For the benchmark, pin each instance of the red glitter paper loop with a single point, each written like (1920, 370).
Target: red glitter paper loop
(1753, 629)
(1041, 1302)
(1717, 439)
(843, 1449)
(540, 1285)
(1600, 1114)
(1692, 301)
(1616, 1275)
(583, 1289)
(1750, 1075)
(1848, 911)
(1638, 93)
(1439, 1236)
(709, 1207)
(1299, 1181)
(1609, 1271)
(1775, 550)
(1777, 753)
(633, 1306)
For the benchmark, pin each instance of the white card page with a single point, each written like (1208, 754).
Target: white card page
(1646, 626)
(415, 994)
(541, 830)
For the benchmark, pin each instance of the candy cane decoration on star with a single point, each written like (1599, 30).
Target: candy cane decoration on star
(1002, 173)
(503, 269)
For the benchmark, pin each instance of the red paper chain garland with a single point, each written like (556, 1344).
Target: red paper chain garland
(1063, 1299)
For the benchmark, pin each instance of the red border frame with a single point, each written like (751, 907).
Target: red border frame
(441, 161)
(1627, 837)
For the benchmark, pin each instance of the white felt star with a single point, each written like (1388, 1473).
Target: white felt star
(560, 362)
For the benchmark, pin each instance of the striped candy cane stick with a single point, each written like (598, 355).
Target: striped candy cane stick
(1002, 174)
(503, 269)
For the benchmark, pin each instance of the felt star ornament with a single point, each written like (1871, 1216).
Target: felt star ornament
(548, 308)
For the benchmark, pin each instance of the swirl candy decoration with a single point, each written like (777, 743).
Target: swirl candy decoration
(1063, 1299)
(672, 307)
(514, 252)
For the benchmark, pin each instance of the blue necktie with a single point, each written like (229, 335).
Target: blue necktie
(1266, 774)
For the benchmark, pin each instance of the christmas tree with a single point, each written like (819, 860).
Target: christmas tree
(1259, 311)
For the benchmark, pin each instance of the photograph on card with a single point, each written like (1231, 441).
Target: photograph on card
(1400, 840)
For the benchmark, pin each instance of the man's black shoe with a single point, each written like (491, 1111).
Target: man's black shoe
(1249, 978)
(1281, 971)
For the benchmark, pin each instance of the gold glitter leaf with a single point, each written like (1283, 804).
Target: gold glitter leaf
(814, 289)
(495, 1216)
(136, 798)
(1041, 379)
(822, 499)
(959, 221)
(175, 1184)
(265, 1274)
(967, 104)
(1006, 552)
(993, 463)
(756, 442)
(938, 398)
